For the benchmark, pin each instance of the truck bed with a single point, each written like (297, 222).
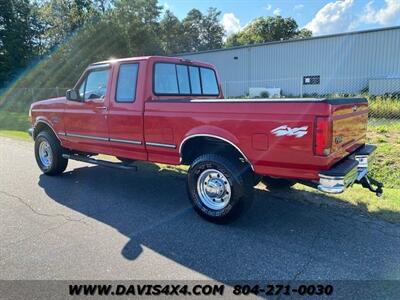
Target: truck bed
(250, 124)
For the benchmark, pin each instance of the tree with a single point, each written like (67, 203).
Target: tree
(5, 23)
(172, 34)
(136, 23)
(192, 25)
(213, 31)
(303, 33)
(15, 38)
(103, 5)
(62, 18)
(203, 32)
(266, 29)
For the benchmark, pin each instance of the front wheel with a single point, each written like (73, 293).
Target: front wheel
(48, 154)
(219, 189)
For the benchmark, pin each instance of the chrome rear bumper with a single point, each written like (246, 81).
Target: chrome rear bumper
(345, 173)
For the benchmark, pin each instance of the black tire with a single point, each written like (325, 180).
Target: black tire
(58, 163)
(277, 183)
(240, 182)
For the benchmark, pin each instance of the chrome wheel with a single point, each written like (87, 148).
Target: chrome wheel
(45, 154)
(213, 189)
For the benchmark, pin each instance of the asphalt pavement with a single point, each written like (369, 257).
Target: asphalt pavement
(99, 223)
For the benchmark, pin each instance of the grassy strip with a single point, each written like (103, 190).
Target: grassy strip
(384, 107)
(14, 125)
(386, 167)
(386, 207)
(14, 121)
(21, 135)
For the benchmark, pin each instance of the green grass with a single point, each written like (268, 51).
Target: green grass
(384, 107)
(14, 125)
(386, 167)
(21, 135)
(14, 121)
(386, 207)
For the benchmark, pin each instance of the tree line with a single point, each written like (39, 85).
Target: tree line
(78, 32)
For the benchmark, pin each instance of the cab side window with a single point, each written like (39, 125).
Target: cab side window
(95, 84)
(126, 83)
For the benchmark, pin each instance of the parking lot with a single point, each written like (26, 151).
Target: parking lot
(99, 223)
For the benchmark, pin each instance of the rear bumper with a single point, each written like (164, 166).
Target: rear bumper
(347, 171)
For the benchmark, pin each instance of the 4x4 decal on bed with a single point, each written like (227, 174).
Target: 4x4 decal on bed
(285, 130)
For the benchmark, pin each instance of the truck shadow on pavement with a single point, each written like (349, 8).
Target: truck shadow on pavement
(279, 237)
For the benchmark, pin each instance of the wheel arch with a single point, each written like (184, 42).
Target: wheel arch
(199, 136)
(41, 125)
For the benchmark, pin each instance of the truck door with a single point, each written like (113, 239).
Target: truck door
(125, 115)
(86, 120)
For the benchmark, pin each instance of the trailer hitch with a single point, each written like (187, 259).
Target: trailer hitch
(368, 182)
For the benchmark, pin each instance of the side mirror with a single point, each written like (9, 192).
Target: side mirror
(72, 95)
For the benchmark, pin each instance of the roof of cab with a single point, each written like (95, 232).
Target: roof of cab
(164, 58)
(113, 60)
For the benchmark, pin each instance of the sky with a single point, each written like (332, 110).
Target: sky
(320, 16)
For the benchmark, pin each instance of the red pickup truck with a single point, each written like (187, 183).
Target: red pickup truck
(172, 111)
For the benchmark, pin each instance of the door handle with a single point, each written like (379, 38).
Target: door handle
(101, 108)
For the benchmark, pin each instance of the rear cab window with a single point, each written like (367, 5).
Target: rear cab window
(176, 79)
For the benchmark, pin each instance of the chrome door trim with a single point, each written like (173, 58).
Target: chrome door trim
(133, 142)
(171, 146)
(99, 138)
(90, 137)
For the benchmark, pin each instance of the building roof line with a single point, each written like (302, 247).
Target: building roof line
(291, 40)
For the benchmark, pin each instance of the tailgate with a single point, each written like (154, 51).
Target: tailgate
(349, 123)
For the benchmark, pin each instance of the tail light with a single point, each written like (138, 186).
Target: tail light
(323, 136)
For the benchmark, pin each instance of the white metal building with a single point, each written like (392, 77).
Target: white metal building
(339, 63)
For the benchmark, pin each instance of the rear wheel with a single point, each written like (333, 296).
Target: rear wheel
(219, 189)
(48, 154)
(277, 183)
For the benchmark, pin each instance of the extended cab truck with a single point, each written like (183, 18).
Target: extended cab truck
(172, 111)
